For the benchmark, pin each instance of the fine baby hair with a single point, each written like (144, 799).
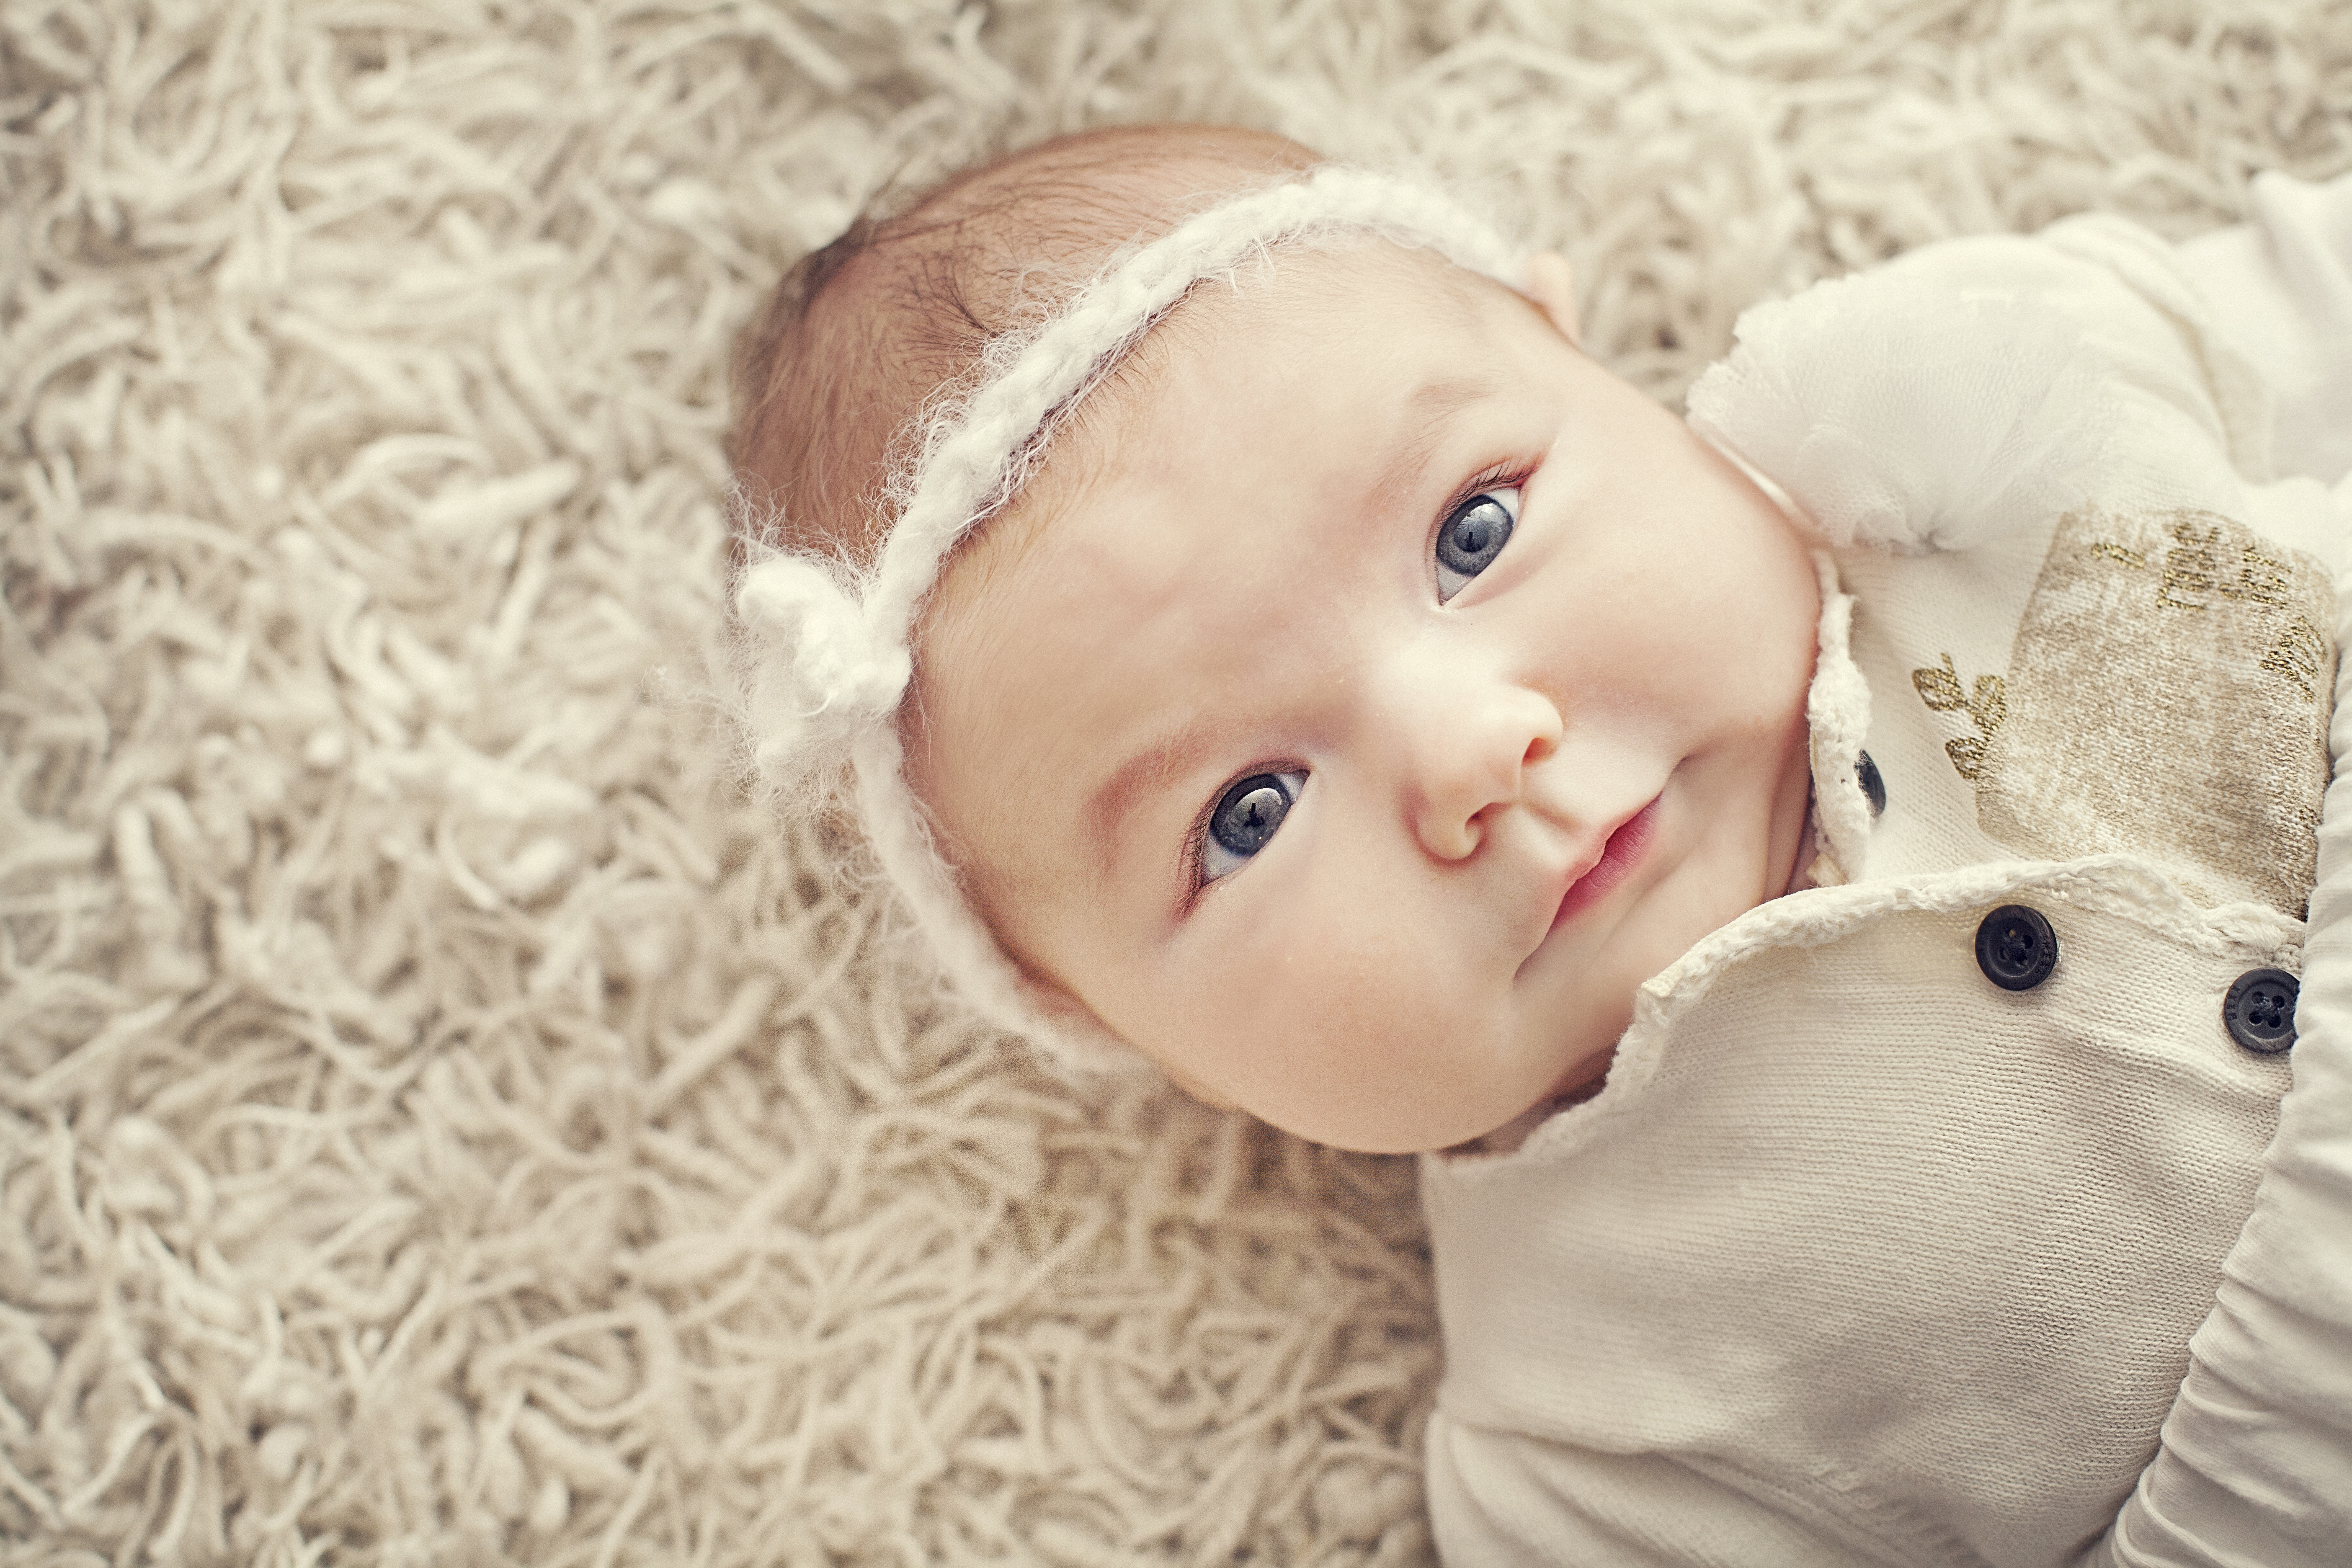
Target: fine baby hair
(855, 522)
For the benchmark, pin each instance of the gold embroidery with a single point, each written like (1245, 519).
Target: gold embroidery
(1941, 690)
(2188, 567)
(2269, 586)
(2299, 654)
(2193, 565)
(2198, 738)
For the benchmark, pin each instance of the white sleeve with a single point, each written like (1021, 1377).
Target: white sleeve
(2254, 1469)
(2280, 286)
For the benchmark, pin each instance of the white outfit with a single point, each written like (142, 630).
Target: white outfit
(1857, 1257)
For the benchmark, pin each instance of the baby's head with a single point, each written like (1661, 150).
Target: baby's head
(1358, 693)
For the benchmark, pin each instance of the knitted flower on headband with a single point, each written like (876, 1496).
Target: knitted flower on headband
(834, 652)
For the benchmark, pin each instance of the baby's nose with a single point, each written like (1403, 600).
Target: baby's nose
(1470, 760)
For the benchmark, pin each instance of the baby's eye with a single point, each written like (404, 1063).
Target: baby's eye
(1472, 536)
(1244, 817)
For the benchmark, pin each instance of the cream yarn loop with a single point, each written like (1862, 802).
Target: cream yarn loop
(832, 654)
(839, 676)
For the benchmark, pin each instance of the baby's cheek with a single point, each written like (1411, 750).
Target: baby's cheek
(1264, 1016)
(1359, 994)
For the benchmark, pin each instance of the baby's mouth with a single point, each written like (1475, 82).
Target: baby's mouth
(1627, 843)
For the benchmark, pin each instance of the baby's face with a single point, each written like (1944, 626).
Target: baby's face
(1389, 692)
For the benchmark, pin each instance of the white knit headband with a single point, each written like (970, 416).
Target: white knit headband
(833, 656)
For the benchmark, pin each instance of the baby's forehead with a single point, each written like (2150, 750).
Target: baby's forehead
(1352, 298)
(1326, 322)
(1344, 283)
(1356, 296)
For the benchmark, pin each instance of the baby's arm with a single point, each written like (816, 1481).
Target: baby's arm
(2256, 1461)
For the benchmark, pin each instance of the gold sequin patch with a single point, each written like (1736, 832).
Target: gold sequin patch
(2167, 695)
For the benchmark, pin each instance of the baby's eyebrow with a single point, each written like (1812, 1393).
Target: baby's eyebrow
(1424, 413)
(1164, 757)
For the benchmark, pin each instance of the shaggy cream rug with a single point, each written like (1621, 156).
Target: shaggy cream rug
(440, 1121)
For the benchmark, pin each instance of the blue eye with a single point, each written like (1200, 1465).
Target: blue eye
(1472, 534)
(1243, 818)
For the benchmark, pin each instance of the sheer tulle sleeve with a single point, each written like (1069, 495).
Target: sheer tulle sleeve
(1900, 409)
(1978, 387)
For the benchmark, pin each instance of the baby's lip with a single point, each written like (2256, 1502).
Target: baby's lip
(1610, 862)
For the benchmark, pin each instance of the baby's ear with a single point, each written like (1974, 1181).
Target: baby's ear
(1552, 286)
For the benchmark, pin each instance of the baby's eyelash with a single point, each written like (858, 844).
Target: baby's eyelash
(1195, 838)
(1501, 477)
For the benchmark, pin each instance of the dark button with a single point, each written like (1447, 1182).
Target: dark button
(2259, 1010)
(1873, 786)
(2016, 947)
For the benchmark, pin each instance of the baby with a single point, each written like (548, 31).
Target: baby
(1823, 885)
